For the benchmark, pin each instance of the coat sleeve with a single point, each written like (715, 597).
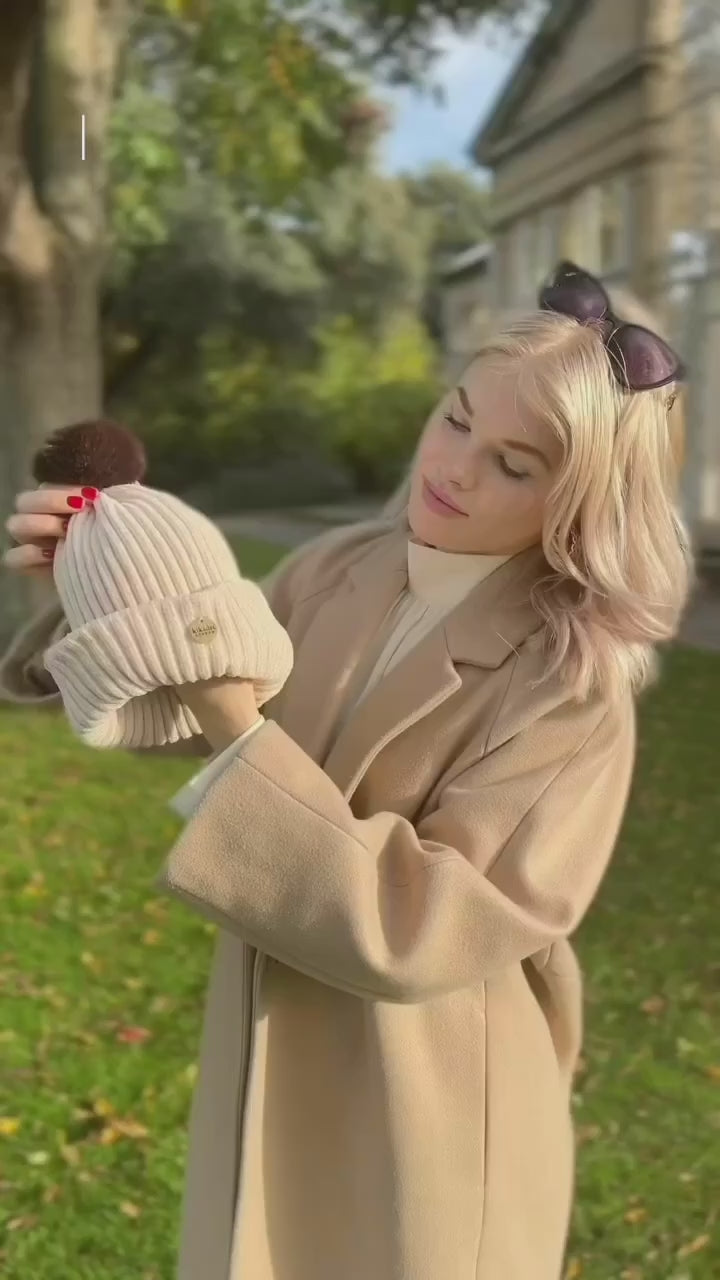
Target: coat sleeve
(23, 677)
(505, 865)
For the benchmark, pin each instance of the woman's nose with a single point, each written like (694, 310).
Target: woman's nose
(461, 477)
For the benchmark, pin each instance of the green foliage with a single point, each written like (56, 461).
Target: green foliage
(256, 255)
(373, 394)
(456, 204)
(360, 402)
(370, 244)
(257, 102)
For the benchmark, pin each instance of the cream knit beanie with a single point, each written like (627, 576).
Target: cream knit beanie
(154, 598)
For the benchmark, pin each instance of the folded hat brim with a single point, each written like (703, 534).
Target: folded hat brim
(117, 674)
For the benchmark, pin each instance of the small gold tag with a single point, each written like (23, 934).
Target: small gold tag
(202, 630)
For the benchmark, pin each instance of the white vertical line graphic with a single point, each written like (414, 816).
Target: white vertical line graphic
(82, 138)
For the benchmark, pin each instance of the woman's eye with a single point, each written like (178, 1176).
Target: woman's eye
(455, 423)
(508, 471)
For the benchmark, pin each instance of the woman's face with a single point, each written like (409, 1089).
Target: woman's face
(483, 470)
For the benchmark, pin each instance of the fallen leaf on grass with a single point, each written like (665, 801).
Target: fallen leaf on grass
(20, 1224)
(134, 984)
(9, 1126)
(84, 1037)
(131, 1129)
(684, 1046)
(162, 1004)
(631, 1273)
(574, 1269)
(654, 1006)
(151, 937)
(155, 908)
(54, 840)
(119, 1128)
(695, 1246)
(70, 1154)
(35, 887)
(91, 962)
(713, 1073)
(52, 1194)
(38, 1157)
(588, 1133)
(129, 1209)
(133, 1035)
(635, 1216)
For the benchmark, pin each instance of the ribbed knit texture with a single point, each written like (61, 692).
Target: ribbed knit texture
(154, 598)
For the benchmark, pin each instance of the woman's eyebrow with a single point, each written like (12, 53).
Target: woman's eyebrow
(464, 400)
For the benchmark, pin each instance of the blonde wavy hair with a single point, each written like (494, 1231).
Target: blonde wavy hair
(618, 552)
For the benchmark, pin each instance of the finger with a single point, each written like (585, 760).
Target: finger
(30, 528)
(51, 502)
(27, 558)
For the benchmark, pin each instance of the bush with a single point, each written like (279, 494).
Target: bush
(244, 430)
(288, 482)
(373, 396)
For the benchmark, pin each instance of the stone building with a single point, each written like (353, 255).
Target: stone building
(604, 147)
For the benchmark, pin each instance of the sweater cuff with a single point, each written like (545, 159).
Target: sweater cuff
(186, 800)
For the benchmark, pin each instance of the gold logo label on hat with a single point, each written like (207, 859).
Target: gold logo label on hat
(202, 630)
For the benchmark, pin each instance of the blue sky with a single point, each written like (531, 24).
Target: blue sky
(470, 70)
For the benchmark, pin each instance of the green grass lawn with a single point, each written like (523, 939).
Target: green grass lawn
(102, 983)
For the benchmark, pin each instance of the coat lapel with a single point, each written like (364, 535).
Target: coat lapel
(329, 662)
(482, 631)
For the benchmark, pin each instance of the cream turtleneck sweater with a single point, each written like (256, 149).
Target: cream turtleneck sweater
(437, 582)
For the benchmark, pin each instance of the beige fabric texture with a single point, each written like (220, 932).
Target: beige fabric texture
(394, 1014)
(154, 598)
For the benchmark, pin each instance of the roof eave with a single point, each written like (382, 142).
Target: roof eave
(562, 15)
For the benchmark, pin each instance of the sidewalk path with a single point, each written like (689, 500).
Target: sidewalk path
(700, 630)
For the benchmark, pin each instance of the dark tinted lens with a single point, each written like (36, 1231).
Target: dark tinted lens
(575, 293)
(642, 359)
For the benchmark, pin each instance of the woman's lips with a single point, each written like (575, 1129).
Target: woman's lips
(434, 500)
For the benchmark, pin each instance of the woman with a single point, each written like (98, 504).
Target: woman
(399, 855)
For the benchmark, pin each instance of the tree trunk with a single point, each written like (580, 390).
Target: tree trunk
(58, 61)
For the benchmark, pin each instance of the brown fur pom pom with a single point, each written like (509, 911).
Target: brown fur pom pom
(99, 453)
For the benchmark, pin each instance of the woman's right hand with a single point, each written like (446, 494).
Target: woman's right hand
(40, 518)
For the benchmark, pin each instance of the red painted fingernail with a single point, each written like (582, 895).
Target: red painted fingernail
(48, 552)
(77, 504)
(90, 493)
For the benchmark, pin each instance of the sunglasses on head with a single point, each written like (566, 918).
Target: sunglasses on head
(641, 360)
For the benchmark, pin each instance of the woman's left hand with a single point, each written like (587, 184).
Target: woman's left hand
(224, 708)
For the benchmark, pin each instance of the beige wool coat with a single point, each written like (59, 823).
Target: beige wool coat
(394, 1013)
